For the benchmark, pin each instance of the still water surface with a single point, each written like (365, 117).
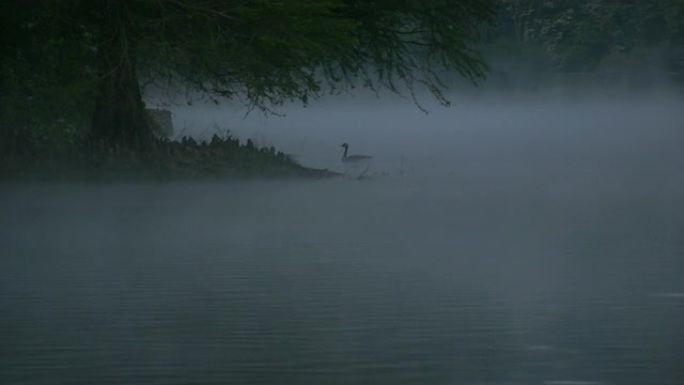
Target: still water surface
(494, 279)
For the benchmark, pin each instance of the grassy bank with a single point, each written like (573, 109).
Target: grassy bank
(164, 160)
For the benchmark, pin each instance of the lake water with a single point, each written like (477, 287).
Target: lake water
(550, 268)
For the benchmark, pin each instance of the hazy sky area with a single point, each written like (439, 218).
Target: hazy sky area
(481, 127)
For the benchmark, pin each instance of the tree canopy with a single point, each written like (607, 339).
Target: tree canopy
(94, 57)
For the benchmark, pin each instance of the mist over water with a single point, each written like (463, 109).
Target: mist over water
(525, 128)
(530, 240)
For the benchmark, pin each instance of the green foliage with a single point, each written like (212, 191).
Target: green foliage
(586, 35)
(262, 51)
(46, 76)
(267, 52)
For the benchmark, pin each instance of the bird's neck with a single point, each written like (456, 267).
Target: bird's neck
(345, 152)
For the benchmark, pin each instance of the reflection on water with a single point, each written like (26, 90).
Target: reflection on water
(489, 281)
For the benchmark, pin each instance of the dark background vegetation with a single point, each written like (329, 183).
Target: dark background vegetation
(598, 42)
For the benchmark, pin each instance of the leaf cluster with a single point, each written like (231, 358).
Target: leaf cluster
(265, 52)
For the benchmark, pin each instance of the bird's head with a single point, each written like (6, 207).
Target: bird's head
(345, 145)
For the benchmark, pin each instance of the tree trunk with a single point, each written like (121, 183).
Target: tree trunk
(119, 115)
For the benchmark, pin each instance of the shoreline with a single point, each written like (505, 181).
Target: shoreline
(185, 159)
